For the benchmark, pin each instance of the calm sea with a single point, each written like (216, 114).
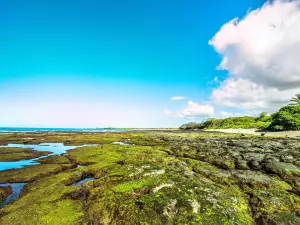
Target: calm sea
(25, 129)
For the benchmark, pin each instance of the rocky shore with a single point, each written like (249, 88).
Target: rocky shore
(5, 191)
(258, 132)
(163, 177)
(8, 154)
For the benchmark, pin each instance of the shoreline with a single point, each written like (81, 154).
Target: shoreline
(257, 132)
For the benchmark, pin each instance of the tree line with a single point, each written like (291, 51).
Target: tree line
(287, 118)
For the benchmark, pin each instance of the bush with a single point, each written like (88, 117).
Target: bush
(189, 126)
(261, 122)
(287, 118)
(237, 122)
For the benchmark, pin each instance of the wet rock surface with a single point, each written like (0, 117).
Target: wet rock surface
(164, 178)
(9, 154)
(5, 191)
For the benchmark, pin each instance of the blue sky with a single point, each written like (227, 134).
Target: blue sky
(108, 63)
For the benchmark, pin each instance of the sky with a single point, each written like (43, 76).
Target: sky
(158, 63)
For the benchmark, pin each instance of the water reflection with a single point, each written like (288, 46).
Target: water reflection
(55, 148)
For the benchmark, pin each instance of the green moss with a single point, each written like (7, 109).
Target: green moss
(270, 201)
(54, 159)
(168, 178)
(133, 185)
(281, 219)
(259, 180)
(31, 173)
(283, 169)
(45, 201)
(63, 212)
(8, 154)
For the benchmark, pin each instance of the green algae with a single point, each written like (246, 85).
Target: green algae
(283, 218)
(165, 178)
(54, 159)
(31, 173)
(60, 212)
(46, 201)
(270, 201)
(10, 154)
(133, 185)
(283, 169)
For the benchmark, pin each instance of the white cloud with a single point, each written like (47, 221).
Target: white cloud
(177, 98)
(261, 52)
(168, 112)
(194, 109)
(224, 114)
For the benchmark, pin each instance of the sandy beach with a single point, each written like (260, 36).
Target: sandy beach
(259, 132)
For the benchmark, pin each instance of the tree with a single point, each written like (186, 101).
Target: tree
(296, 100)
(287, 118)
(262, 115)
(189, 126)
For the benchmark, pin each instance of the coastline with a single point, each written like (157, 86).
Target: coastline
(257, 132)
(125, 174)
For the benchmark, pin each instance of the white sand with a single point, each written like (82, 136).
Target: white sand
(257, 132)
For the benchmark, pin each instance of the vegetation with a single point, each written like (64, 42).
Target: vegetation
(8, 154)
(296, 100)
(287, 118)
(5, 191)
(31, 173)
(165, 178)
(261, 122)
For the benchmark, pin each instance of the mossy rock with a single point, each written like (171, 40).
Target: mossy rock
(168, 178)
(270, 201)
(259, 180)
(10, 154)
(283, 169)
(5, 191)
(31, 173)
(54, 159)
(283, 218)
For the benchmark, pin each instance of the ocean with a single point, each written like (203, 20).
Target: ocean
(26, 129)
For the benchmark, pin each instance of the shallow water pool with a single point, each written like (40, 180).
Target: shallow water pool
(16, 190)
(81, 182)
(55, 148)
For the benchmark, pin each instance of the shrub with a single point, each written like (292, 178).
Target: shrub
(261, 122)
(237, 122)
(189, 126)
(287, 118)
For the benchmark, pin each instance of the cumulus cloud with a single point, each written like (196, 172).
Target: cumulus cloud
(194, 109)
(261, 52)
(224, 114)
(177, 98)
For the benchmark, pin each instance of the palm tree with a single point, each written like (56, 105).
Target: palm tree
(296, 100)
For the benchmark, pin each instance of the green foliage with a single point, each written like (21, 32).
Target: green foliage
(287, 118)
(189, 126)
(263, 121)
(296, 100)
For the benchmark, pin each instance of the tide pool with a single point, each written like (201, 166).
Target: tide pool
(55, 148)
(16, 190)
